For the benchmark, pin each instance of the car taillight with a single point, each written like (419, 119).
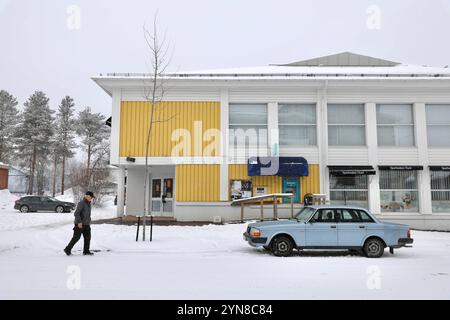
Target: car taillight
(409, 233)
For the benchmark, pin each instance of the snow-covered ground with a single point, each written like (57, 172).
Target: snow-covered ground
(202, 262)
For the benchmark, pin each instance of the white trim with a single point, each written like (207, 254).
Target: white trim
(272, 128)
(115, 127)
(140, 161)
(224, 114)
(120, 191)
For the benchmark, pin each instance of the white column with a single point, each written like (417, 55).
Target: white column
(322, 140)
(272, 126)
(424, 183)
(224, 144)
(372, 146)
(120, 192)
(115, 127)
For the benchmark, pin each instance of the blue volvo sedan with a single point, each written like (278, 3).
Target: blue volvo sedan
(329, 227)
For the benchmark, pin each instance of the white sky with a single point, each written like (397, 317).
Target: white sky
(38, 51)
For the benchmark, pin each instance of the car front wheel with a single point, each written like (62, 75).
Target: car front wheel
(282, 246)
(59, 209)
(24, 209)
(374, 248)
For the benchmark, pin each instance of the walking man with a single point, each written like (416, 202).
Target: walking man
(82, 224)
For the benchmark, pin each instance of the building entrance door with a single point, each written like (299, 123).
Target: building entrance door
(162, 197)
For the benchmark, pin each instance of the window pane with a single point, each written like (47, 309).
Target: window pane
(346, 135)
(440, 180)
(440, 201)
(405, 200)
(297, 135)
(297, 114)
(346, 114)
(395, 135)
(349, 190)
(348, 182)
(439, 136)
(242, 136)
(398, 179)
(348, 197)
(438, 114)
(394, 114)
(248, 114)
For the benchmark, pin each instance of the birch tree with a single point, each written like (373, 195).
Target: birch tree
(154, 89)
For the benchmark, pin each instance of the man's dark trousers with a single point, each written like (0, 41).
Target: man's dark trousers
(86, 231)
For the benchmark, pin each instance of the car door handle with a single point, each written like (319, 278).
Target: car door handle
(362, 227)
(333, 227)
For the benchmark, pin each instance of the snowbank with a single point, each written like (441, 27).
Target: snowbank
(7, 200)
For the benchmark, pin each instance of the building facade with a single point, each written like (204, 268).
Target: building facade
(367, 131)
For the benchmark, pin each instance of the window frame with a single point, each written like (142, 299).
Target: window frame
(256, 127)
(413, 124)
(446, 125)
(298, 124)
(359, 125)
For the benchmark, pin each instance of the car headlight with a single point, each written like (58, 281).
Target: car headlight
(255, 232)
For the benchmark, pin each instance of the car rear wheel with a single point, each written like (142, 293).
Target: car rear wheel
(59, 209)
(373, 248)
(282, 246)
(24, 209)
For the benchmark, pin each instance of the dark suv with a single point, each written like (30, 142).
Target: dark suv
(41, 203)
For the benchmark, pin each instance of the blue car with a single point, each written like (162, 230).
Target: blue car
(329, 227)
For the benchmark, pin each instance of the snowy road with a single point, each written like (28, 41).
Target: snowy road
(207, 262)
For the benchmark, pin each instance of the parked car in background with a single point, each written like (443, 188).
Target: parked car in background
(329, 227)
(43, 203)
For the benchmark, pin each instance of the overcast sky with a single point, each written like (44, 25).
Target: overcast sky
(56, 46)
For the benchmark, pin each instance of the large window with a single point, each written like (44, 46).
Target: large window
(398, 191)
(440, 191)
(349, 190)
(395, 125)
(248, 125)
(346, 125)
(297, 124)
(438, 125)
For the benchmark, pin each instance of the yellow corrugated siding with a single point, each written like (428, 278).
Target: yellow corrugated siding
(239, 172)
(310, 183)
(197, 182)
(135, 120)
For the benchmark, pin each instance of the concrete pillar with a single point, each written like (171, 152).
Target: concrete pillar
(423, 176)
(372, 146)
(322, 140)
(120, 192)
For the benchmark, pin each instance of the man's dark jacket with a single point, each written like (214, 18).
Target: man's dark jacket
(83, 213)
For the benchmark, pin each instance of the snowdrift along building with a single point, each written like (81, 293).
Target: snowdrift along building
(362, 130)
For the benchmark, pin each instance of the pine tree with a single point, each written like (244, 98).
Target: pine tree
(64, 137)
(35, 133)
(9, 119)
(93, 131)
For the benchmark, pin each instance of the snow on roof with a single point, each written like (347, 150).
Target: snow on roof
(342, 65)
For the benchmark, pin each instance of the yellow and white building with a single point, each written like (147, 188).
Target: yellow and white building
(374, 133)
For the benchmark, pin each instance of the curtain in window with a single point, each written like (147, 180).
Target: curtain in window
(398, 191)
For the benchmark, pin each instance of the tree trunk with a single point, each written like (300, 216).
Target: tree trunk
(55, 162)
(63, 172)
(31, 178)
(88, 174)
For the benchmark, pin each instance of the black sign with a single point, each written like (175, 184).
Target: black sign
(351, 170)
(440, 168)
(407, 168)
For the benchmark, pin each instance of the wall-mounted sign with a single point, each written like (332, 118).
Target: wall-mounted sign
(440, 168)
(240, 189)
(408, 168)
(260, 191)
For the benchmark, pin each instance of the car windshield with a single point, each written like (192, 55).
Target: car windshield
(52, 199)
(305, 213)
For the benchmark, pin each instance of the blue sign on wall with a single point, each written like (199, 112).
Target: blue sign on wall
(277, 166)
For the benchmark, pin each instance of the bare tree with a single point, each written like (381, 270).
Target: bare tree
(154, 93)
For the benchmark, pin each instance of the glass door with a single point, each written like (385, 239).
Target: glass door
(162, 196)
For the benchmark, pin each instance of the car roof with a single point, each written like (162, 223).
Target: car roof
(331, 206)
